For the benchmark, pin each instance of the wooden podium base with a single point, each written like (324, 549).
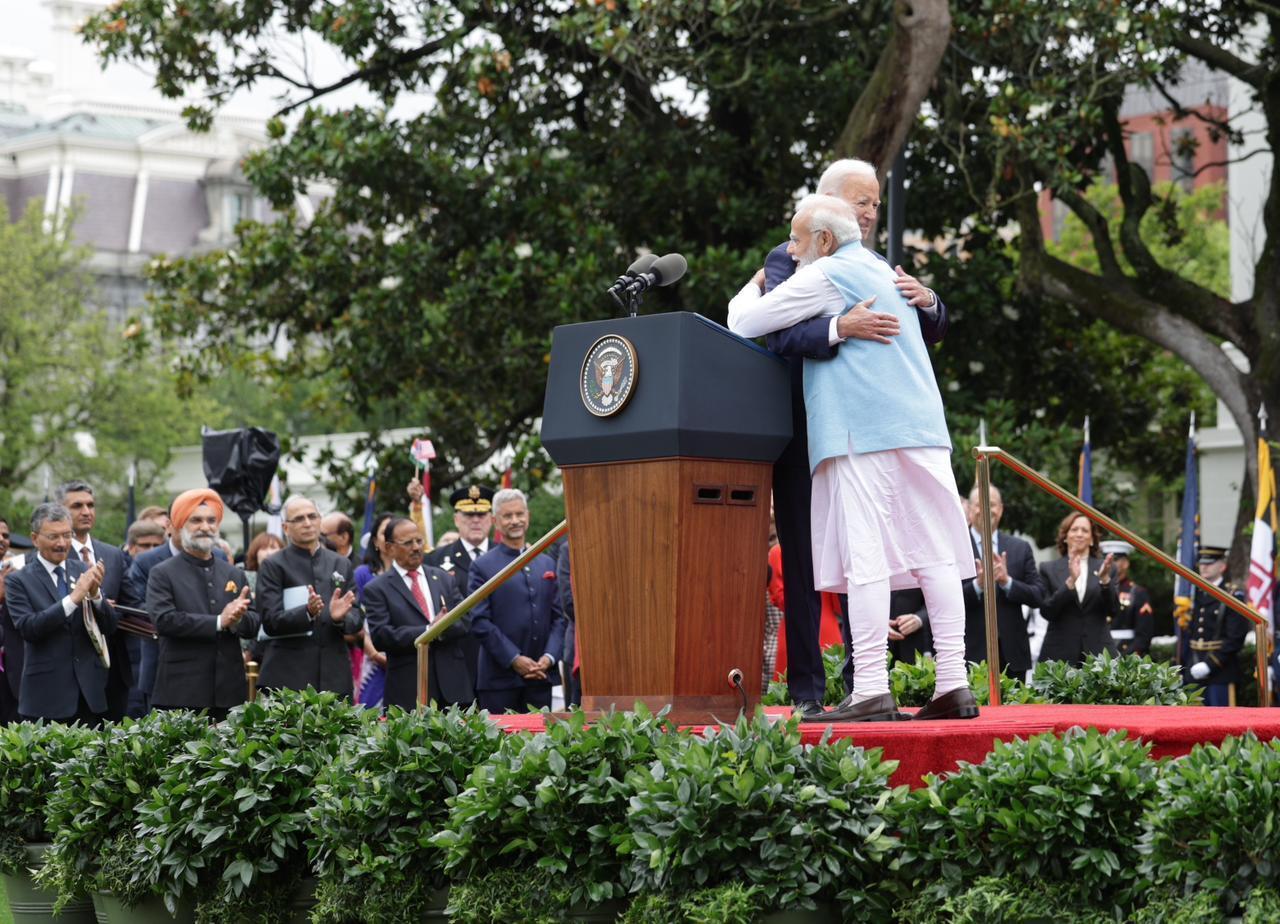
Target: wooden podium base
(668, 560)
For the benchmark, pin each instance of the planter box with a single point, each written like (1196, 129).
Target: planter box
(107, 909)
(31, 905)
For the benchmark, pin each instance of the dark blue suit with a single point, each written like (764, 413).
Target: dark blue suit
(395, 621)
(62, 674)
(792, 488)
(124, 652)
(522, 617)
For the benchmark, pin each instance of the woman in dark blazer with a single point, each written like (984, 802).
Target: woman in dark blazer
(1079, 619)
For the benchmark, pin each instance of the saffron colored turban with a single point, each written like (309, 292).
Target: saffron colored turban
(186, 503)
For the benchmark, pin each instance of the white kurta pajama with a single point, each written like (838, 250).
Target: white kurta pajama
(885, 509)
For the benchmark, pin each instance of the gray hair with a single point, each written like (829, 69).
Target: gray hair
(72, 487)
(294, 499)
(48, 513)
(506, 495)
(829, 213)
(832, 181)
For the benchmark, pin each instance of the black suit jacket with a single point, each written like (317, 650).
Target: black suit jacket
(395, 621)
(320, 659)
(61, 665)
(199, 665)
(1011, 627)
(1076, 628)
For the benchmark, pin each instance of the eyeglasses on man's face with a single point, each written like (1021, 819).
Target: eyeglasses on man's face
(304, 518)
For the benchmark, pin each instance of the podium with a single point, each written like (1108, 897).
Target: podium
(666, 428)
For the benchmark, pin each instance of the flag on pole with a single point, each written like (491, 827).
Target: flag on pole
(275, 522)
(131, 509)
(1084, 489)
(1189, 536)
(365, 538)
(1262, 556)
(422, 451)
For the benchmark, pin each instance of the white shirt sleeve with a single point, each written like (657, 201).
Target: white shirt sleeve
(805, 295)
(833, 333)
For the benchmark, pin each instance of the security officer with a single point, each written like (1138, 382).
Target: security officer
(1131, 629)
(1215, 635)
(473, 518)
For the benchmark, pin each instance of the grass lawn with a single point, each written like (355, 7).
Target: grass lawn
(5, 916)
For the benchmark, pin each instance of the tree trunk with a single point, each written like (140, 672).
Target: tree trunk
(881, 119)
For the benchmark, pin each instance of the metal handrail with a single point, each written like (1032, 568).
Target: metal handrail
(984, 455)
(437, 628)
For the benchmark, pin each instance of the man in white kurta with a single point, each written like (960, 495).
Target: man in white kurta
(886, 513)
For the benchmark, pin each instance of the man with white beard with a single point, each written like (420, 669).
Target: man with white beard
(201, 608)
(885, 509)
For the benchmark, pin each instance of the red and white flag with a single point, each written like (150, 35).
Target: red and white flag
(1262, 556)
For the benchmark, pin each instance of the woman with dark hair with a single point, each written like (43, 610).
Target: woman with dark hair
(367, 663)
(263, 546)
(1079, 595)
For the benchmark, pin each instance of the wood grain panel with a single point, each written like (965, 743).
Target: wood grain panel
(669, 592)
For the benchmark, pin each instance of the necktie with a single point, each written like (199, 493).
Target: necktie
(420, 595)
(60, 579)
(86, 556)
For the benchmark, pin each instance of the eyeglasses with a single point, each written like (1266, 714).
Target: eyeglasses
(56, 537)
(409, 543)
(304, 518)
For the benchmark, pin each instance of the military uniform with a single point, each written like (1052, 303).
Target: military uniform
(1131, 627)
(1214, 636)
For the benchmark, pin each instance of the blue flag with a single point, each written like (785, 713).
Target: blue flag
(1189, 536)
(1084, 488)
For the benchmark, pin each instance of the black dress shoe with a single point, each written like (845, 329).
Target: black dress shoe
(880, 708)
(806, 708)
(957, 704)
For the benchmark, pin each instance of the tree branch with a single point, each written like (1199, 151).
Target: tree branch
(1096, 222)
(1252, 73)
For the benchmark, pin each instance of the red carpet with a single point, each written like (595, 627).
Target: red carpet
(936, 747)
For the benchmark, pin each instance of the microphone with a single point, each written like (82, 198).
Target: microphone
(664, 271)
(641, 264)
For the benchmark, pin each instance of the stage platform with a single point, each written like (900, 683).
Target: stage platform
(938, 746)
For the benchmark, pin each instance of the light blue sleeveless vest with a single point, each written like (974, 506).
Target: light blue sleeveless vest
(877, 396)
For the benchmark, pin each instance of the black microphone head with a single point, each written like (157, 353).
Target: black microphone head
(668, 269)
(642, 264)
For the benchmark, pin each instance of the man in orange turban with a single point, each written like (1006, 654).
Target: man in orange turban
(188, 501)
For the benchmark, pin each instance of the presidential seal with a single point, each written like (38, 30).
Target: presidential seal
(608, 375)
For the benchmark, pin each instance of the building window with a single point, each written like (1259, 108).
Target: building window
(239, 207)
(1183, 157)
(1142, 152)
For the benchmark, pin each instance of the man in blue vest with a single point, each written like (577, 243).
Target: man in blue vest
(855, 182)
(885, 510)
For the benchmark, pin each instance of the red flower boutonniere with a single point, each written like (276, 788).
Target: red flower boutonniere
(548, 575)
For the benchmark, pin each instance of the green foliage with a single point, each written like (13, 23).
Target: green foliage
(1212, 824)
(730, 903)
(1171, 906)
(1012, 690)
(513, 894)
(1005, 900)
(92, 810)
(227, 821)
(376, 806)
(30, 755)
(555, 801)
(67, 371)
(750, 803)
(1104, 679)
(1262, 905)
(1049, 809)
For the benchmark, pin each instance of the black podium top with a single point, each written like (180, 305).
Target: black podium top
(698, 391)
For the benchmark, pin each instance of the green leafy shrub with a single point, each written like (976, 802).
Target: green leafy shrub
(778, 694)
(730, 903)
(1012, 690)
(992, 900)
(527, 895)
(227, 821)
(1262, 906)
(1049, 809)
(750, 803)
(912, 684)
(377, 805)
(1170, 906)
(553, 803)
(92, 810)
(1212, 825)
(30, 753)
(1106, 680)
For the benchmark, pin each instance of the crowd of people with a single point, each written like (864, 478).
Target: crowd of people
(171, 619)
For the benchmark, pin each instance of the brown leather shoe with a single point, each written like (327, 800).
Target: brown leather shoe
(957, 704)
(877, 709)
